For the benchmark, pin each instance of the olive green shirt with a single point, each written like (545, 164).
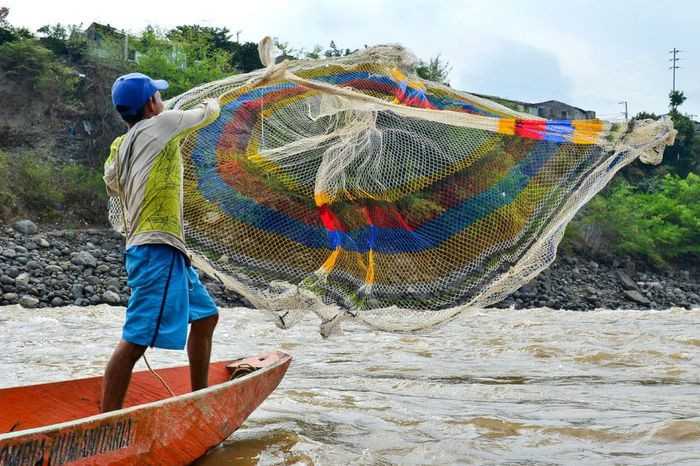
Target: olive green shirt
(144, 170)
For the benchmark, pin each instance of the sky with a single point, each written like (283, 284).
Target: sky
(591, 54)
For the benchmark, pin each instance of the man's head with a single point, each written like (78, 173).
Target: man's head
(137, 97)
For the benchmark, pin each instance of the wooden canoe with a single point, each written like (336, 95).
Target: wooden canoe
(59, 423)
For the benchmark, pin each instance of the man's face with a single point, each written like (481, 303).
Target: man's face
(157, 104)
(154, 106)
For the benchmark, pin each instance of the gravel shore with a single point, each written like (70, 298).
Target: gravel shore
(49, 268)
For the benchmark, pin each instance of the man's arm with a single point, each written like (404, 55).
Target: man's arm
(176, 123)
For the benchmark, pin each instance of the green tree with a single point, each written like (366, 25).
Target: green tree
(333, 51)
(286, 51)
(8, 33)
(315, 53)
(186, 61)
(646, 116)
(676, 99)
(684, 155)
(211, 37)
(242, 57)
(661, 225)
(246, 57)
(54, 38)
(436, 69)
(63, 40)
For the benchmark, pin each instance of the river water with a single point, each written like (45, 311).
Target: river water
(494, 387)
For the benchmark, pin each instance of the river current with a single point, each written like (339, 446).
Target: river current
(524, 387)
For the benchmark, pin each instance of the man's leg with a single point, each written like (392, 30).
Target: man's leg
(199, 350)
(118, 374)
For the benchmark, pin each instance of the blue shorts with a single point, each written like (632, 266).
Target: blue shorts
(166, 295)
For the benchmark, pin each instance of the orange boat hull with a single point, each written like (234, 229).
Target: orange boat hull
(58, 423)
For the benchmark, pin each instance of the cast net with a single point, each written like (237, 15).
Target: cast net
(351, 188)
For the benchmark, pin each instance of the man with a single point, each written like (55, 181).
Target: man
(144, 170)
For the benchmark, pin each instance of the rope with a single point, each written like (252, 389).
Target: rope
(167, 387)
(241, 370)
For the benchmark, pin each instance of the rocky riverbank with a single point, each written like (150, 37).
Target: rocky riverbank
(61, 267)
(85, 267)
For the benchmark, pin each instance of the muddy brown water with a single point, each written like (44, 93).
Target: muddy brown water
(494, 387)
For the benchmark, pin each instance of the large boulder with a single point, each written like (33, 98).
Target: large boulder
(26, 227)
(28, 301)
(626, 281)
(22, 280)
(111, 297)
(85, 259)
(10, 297)
(636, 296)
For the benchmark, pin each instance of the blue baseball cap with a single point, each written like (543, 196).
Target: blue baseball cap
(133, 91)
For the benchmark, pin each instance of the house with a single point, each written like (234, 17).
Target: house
(97, 33)
(106, 41)
(550, 109)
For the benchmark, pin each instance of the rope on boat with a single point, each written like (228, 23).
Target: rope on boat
(242, 369)
(167, 387)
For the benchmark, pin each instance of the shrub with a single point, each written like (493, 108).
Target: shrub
(84, 193)
(41, 189)
(33, 65)
(24, 59)
(187, 59)
(35, 185)
(660, 223)
(7, 197)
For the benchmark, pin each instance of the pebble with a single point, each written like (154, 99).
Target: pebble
(56, 302)
(77, 291)
(28, 301)
(52, 269)
(33, 265)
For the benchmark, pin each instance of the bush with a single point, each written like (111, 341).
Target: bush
(35, 186)
(24, 59)
(41, 189)
(7, 197)
(33, 65)
(84, 193)
(183, 63)
(660, 223)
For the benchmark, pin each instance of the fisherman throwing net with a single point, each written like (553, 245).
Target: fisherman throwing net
(352, 188)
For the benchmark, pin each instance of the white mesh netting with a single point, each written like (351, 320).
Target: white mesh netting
(353, 189)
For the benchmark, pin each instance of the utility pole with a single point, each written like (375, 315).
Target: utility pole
(674, 65)
(126, 45)
(624, 102)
